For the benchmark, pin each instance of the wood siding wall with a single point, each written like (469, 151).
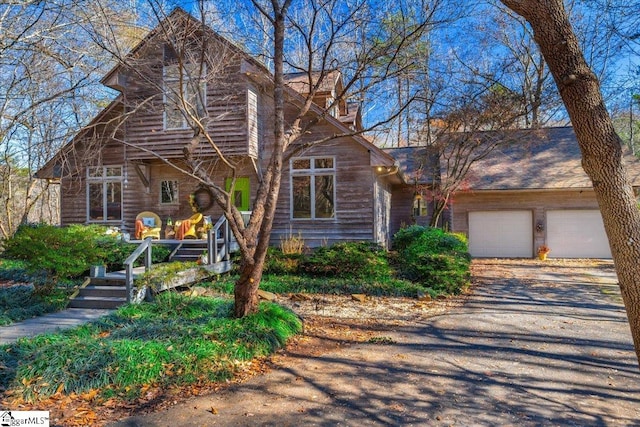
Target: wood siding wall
(138, 198)
(354, 204)
(226, 103)
(382, 225)
(537, 202)
(402, 208)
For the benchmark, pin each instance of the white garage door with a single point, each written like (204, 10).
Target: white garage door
(576, 234)
(501, 234)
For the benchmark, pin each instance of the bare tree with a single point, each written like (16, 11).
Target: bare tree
(44, 97)
(314, 41)
(461, 139)
(600, 145)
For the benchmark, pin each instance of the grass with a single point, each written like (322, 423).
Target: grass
(176, 340)
(291, 283)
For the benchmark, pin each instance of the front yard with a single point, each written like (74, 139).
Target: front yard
(188, 341)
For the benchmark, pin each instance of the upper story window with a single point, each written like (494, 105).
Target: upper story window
(104, 194)
(252, 122)
(169, 192)
(313, 188)
(184, 94)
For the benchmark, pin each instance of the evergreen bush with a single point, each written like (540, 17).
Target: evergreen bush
(68, 252)
(349, 259)
(436, 259)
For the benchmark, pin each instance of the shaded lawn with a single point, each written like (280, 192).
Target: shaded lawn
(177, 340)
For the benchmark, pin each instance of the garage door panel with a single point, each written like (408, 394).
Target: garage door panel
(501, 234)
(576, 234)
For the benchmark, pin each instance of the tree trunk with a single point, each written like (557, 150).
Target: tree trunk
(246, 290)
(438, 207)
(600, 145)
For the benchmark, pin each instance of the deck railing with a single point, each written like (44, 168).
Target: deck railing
(218, 239)
(145, 247)
(218, 250)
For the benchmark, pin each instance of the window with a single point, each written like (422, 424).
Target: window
(419, 206)
(252, 122)
(104, 194)
(169, 192)
(313, 188)
(184, 94)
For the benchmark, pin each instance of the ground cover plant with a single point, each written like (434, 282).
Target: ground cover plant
(21, 301)
(425, 261)
(176, 340)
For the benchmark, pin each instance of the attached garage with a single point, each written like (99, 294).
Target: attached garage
(576, 234)
(501, 234)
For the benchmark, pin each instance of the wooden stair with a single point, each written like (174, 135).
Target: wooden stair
(110, 291)
(101, 292)
(189, 250)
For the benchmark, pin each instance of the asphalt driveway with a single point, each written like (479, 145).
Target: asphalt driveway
(537, 344)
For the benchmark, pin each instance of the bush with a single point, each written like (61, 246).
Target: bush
(60, 252)
(15, 270)
(433, 258)
(278, 262)
(113, 252)
(68, 252)
(351, 259)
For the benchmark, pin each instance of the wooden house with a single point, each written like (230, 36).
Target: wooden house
(128, 159)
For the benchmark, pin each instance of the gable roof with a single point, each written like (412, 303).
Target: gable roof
(179, 18)
(250, 67)
(417, 165)
(60, 161)
(548, 158)
(300, 81)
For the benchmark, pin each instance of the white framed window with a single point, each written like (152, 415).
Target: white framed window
(313, 189)
(169, 192)
(104, 194)
(184, 93)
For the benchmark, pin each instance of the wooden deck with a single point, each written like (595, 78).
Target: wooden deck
(115, 288)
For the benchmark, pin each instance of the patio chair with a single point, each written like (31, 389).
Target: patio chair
(148, 224)
(187, 227)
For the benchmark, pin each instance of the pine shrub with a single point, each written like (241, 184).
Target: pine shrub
(436, 259)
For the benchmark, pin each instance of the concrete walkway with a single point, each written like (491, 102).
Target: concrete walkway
(536, 345)
(49, 323)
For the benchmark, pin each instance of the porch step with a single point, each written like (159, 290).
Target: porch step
(189, 251)
(97, 302)
(101, 292)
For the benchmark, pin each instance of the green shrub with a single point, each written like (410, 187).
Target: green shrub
(113, 252)
(351, 259)
(279, 263)
(60, 252)
(436, 259)
(68, 252)
(15, 270)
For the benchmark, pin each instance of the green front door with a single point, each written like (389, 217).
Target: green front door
(240, 196)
